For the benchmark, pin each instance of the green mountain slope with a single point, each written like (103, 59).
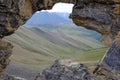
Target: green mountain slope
(35, 49)
(53, 44)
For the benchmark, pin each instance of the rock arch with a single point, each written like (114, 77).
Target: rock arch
(102, 16)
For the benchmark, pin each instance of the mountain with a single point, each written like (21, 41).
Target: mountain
(55, 44)
(70, 29)
(35, 49)
(37, 44)
(52, 44)
(53, 41)
(52, 18)
(56, 21)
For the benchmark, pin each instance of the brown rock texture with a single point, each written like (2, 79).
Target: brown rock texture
(14, 13)
(102, 16)
(5, 53)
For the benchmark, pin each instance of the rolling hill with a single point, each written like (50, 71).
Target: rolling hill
(52, 43)
(50, 36)
(59, 21)
(35, 49)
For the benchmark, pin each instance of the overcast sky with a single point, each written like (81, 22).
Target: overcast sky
(62, 7)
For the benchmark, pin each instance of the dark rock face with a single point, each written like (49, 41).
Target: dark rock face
(112, 59)
(14, 13)
(5, 53)
(59, 71)
(102, 16)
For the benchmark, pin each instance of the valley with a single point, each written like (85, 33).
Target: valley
(35, 49)
(37, 45)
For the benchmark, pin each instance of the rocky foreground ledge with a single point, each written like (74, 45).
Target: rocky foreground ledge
(67, 70)
(63, 70)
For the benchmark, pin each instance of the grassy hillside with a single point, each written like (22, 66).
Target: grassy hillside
(49, 44)
(35, 49)
(70, 29)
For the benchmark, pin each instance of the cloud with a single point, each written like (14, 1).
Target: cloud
(61, 7)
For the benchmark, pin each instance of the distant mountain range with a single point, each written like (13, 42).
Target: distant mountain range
(47, 37)
(56, 21)
(51, 18)
(35, 48)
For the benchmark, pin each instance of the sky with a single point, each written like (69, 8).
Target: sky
(62, 7)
